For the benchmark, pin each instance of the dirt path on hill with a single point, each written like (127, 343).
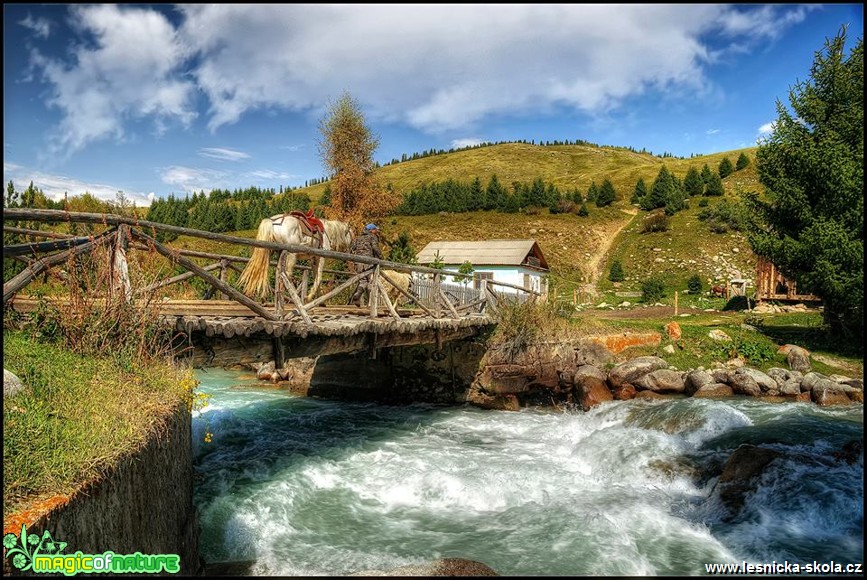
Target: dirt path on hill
(596, 261)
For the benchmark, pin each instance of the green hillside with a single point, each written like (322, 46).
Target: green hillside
(566, 166)
(580, 249)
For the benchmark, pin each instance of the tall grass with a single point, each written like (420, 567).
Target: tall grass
(99, 381)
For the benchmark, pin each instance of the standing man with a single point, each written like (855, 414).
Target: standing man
(367, 244)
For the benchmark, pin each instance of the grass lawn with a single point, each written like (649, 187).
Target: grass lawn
(76, 416)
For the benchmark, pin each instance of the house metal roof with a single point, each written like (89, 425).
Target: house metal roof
(485, 253)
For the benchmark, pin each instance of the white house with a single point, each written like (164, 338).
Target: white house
(517, 262)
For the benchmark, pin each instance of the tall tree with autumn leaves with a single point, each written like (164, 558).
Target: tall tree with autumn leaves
(347, 147)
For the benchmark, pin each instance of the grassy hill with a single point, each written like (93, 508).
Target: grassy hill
(580, 249)
(567, 166)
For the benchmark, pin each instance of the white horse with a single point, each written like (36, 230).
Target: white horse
(287, 229)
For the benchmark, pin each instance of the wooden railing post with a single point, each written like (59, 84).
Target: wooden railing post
(435, 294)
(373, 293)
(224, 264)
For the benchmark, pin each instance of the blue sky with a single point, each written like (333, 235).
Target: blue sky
(160, 99)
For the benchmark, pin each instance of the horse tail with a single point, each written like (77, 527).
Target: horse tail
(254, 278)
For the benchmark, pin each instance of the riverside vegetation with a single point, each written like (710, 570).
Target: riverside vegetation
(98, 383)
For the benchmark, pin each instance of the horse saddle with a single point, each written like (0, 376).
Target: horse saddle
(310, 224)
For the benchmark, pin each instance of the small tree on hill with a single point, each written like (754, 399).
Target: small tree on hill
(725, 168)
(582, 211)
(616, 272)
(706, 174)
(639, 192)
(743, 162)
(606, 194)
(694, 284)
(714, 186)
(652, 290)
(693, 183)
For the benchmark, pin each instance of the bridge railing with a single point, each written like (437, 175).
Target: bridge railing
(428, 292)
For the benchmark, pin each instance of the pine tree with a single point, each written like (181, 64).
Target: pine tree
(706, 174)
(725, 168)
(715, 186)
(639, 192)
(811, 224)
(606, 194)
(743, 162)
(693, 183)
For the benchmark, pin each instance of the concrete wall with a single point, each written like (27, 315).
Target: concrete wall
(144, 504)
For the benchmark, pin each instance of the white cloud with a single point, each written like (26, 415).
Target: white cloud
(129, 71)
(220, 153)
(192, 180)
(466, 142)
(40, 26)
(712, 131)
(268, 175)
(767, 128)
(432, 67)
(54, 186)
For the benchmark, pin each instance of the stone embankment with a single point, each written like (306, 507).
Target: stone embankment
(143, 504)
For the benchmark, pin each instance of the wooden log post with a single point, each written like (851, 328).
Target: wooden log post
(224, 265)
(436, 291)
(233, 294)
(374, 291)
(119, 267)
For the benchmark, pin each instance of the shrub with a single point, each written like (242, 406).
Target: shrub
(702, 202)
(582, 211)
(652, 290)
(694, 284)
(655, 222)
(616, 272)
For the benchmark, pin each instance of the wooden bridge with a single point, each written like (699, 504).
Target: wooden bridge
(434, 312)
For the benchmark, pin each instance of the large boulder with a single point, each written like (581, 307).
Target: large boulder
(814, 379)
(661, 381)
(714, 391)
(824, 396)
(695, 380)
(590, 387)
(744, 384)
(631, 370)
(798, 359)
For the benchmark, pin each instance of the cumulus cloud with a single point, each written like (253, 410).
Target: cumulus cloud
(220, 153)
(427, 66)
(129, 71)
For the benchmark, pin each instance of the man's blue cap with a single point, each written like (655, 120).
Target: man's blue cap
(371, 227)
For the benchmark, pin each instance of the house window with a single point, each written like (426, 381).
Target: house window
(528, 282)
(479, 276)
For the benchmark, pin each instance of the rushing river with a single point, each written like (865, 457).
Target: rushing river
(314, 487)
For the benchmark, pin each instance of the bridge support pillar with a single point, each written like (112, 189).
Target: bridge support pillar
(279, 352)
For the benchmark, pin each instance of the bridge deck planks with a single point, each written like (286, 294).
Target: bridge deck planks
(228, 319)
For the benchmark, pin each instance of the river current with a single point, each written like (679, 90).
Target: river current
(307, 486)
